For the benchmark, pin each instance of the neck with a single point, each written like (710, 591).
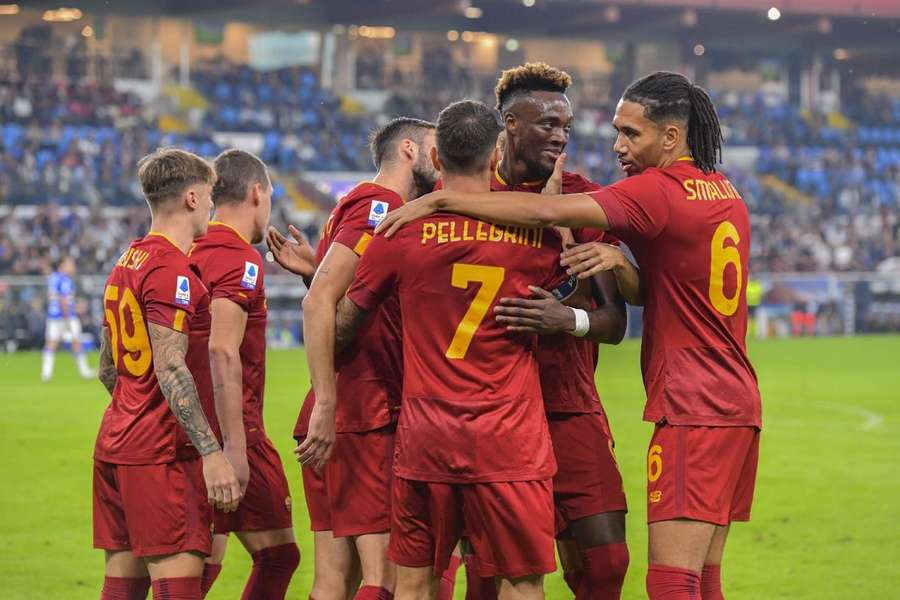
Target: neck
(478, 182)
(235, 218)
(177, 228)
(512, 170)
(670, 158)
(398, 180)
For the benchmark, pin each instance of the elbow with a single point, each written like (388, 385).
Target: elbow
(311, 302)
(220, 354)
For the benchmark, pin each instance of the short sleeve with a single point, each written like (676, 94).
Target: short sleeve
(636, 206)
(376, 274)
(169, 296)
(358, 224)
(238, 277)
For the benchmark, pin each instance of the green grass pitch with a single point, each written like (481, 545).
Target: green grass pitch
(826, 519)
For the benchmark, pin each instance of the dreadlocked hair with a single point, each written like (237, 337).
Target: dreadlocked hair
(671, 96)
(530, 77)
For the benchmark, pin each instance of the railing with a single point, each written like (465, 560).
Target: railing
(790, 304)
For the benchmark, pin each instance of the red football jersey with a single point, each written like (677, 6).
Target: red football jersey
(231, 268)
(690, 233)
(567, 363)
(151, 283)
(368, 371)
(472, 404)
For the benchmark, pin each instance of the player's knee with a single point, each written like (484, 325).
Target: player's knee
(284, 558)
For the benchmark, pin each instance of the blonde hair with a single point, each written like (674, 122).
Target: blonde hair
(530, 77)
(167, 172)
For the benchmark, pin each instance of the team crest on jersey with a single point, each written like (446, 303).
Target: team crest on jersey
(566, 288)
(377, 212)
(182, 291)
(251, 273)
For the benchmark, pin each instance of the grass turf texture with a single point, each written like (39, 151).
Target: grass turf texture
(826, 519)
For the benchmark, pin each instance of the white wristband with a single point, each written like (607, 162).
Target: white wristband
(582, 322)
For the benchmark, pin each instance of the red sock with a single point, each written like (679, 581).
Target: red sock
(478, 587)
(271, 574)
(177, 588)
(672, 583)
(373, 592)
(573, 578)
(210, 573)
(711, 583)
(448, 579)
(125, 588)
(604, 572)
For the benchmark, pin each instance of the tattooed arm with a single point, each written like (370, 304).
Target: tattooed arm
(107, 373)
(347, 321)
(177, 385)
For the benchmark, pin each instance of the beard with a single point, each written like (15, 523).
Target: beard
(424, 176)
(537, 169)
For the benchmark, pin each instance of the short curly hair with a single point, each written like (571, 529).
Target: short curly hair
(530, 77)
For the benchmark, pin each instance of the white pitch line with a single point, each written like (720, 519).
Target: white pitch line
(873, 420)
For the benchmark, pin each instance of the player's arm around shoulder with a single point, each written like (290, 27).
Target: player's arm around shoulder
(107, 372)
(590, 259)
(177, 385)
(228, 323)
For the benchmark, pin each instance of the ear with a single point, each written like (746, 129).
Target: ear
(672, 135)
(256, 193)
(435, 161)
(191, 199)
(409, 150)
(510, 121)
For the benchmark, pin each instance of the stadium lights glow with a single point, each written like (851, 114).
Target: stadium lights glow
(62, 15)
(699, 50)
(512, 44)
(380, 33)
(841, 54)
(452, 35)
(824, 25)
(774, 14)
(528, 3)
(88, 31)
(9, 9)
(472, 12)
(689, 18)
(612, 14)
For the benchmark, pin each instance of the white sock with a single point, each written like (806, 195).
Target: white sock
(47, 365)
(83, 367)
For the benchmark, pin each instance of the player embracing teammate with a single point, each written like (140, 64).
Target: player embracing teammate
(689, 230)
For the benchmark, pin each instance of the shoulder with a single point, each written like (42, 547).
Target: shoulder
(372, 195)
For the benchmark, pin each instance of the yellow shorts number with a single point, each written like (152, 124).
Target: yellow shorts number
(654, 463)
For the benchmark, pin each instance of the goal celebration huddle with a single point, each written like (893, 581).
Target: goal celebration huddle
(454, 311)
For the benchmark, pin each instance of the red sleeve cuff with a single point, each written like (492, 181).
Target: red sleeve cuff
(615, 212)
(240, 298)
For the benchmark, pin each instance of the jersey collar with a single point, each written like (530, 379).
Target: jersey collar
(236, 232)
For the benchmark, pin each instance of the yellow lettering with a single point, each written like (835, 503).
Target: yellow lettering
(466, 235)
(510, 235)
(428, 231)
(689, 188)
(716, 193)
(480, 233)
(453, 236)
(498, 231)
(442, 233)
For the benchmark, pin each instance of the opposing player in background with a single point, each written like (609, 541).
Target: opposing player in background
(690, 232)
(588, 492)
(157, 464)
(231, 269)
(62, 320)
(474, 455)
(352, 419)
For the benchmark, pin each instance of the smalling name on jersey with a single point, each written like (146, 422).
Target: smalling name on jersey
(708, 189)
(447, 232)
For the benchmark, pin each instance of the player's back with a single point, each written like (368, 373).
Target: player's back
(472, 404)
(60, 288)
(152, 282)
(690, 233)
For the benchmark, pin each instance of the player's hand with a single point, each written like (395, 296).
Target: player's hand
(554, 184)
(416, 209)
(298, 256)
(586, 260)
(222, 487)
(543, 314)
(316, 448)
(237, 456)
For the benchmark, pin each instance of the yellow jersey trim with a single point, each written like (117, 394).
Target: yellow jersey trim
(503, 181)
(165, 237)
(684, 158)
(362, 244)
(238, 233)
(178, 323)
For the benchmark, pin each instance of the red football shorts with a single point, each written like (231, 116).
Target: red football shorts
(352, 494)
(266, 504)
(508, 524)
(587, 481)
(152, 510)
(701, 473)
